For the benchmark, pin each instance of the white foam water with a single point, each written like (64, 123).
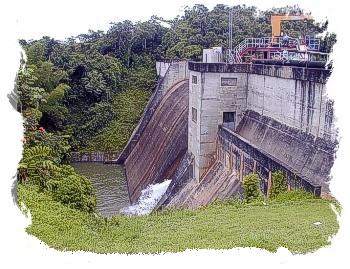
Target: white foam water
(148, 200)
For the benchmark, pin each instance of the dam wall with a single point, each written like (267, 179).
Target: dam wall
(209, 99)
(170, 73)
(218, 183)
(176, 72)
(259, 145)
(159, 142)
(161, 145)
(210, 124)
(301, 104)
(162, 68)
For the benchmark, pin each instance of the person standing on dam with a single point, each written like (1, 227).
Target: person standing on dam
(285, 40)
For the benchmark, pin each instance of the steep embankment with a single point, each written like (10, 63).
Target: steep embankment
(162, 144)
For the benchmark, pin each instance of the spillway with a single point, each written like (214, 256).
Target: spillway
(162, 144)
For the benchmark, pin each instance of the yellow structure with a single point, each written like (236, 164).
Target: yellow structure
(276, 22)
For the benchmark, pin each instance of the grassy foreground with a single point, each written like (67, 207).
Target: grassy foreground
(221, 225)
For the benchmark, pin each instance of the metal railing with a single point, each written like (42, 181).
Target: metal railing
(313, 43)
(299, 56)
(235, 56)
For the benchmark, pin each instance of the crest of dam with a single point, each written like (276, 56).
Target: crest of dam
(283, 121)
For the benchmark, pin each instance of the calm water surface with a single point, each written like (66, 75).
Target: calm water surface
(109, 183)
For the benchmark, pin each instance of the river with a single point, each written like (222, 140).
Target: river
(109, 183)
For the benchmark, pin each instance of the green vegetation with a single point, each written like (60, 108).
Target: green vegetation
(251, 187)
(221, 225)
(87, 93)
(44, 153)
(41, 167)
(279, 183)
(128, 107)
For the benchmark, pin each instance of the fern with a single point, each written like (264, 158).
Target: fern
(36, 151)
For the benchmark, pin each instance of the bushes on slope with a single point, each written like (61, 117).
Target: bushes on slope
(279, 184)
(251, 187)
(128, 107)
(75, 191)
(39, 166)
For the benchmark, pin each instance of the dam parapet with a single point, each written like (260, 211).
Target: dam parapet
(283, 71)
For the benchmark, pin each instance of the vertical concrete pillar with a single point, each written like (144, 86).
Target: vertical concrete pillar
(241, 166)
(217, 150)
(269, 184)
(254, 167)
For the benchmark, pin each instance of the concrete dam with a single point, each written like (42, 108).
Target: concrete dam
(207, 125)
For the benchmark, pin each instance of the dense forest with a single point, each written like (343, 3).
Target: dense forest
(87, 93)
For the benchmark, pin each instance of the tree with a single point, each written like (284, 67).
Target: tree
(328, 42)
(48, 76)
(35, 52)
(29, 94)
(38, 166)
(55, 114)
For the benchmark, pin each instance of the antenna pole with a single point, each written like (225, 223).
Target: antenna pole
(230, 35)
(230, 28)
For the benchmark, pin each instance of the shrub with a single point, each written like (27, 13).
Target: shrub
(75, 191)
(279, 184)
(251, 187)
(294, 195)
(40, 167)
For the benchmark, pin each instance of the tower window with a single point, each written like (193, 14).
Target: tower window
(194, 79)
(194, 114)
(229, 120)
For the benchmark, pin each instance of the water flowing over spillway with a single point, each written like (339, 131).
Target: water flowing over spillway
(148, 200)
(161, 145)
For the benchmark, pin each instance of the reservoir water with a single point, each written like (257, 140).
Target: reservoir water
(109, 183)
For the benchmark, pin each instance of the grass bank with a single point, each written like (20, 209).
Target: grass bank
(224, 225)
